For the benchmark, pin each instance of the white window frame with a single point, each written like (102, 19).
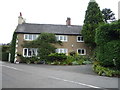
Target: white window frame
(64, 50)
(36, 53)
(28, 35)
(81, 49)
(64, 38)
(80, 40)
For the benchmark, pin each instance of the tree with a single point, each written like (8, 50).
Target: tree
(93, 18)
(108, 15)
(45, 44)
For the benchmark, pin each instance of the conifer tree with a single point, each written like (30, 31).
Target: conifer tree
(93, 18)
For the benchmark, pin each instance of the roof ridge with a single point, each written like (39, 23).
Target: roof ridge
(51, 24)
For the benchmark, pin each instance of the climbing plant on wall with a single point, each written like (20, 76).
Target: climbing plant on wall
(12, 47)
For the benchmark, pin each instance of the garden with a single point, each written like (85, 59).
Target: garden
(58, 59)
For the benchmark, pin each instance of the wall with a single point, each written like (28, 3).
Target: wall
(72, 40)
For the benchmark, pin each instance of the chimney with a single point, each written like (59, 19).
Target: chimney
(21, 20)
(68, 21)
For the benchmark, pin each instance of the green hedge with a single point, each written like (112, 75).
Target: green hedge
(5, 56)
(57, 57)
(107, 32)
(108, 44)
(111, 51)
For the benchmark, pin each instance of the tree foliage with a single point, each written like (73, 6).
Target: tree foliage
(93, 17)
(108, 15)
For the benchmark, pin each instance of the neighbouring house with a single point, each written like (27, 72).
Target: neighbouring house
(70, 35)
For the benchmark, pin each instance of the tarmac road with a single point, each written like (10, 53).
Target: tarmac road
(51, 76)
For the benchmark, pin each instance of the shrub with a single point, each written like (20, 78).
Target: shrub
(75, 63)
(5, 56)
(34, 59)
(103, 71)
(57, 57)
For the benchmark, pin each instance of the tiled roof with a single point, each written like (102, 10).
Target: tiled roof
(48, 28)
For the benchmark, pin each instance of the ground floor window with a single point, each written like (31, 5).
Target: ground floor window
(62, 50)
(29, 52)
(81, 51)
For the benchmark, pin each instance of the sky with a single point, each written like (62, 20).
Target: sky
(45, 12)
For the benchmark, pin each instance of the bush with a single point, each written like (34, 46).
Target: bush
(5, 56)
(103, 71)
(29, 60)
(57, 57)
(108, 52)
(62, 59)
(34, 59)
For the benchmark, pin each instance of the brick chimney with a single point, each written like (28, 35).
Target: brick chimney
(21, 19)
(68, 21)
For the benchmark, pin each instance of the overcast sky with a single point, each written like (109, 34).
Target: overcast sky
(45, 12)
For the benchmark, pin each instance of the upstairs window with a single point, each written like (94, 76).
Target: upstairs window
(30, 37)
(80, 39)
(81, 51)
(62, 38)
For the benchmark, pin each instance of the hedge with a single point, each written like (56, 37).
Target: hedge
(108, 44)
(108, 52)
(5, 56)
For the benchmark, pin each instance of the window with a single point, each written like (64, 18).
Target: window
(62, 50)
(61, 38)
(29, 52)
(81, 51)
(30, 37)
(80, 39)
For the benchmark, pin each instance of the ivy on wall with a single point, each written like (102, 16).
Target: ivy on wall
(12, 47)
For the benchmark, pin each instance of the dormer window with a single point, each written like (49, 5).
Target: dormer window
(80, 39)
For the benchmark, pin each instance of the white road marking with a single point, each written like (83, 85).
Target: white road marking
(12, 67)
(91, 86)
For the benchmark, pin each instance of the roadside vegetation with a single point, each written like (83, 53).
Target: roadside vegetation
(5, 48)
(103, 38)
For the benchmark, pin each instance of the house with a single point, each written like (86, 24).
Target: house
(70, 35)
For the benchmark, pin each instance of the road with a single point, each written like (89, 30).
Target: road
(51, 76)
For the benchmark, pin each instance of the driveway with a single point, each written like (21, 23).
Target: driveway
(84, 69)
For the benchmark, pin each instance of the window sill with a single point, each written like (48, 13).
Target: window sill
(80, 41)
